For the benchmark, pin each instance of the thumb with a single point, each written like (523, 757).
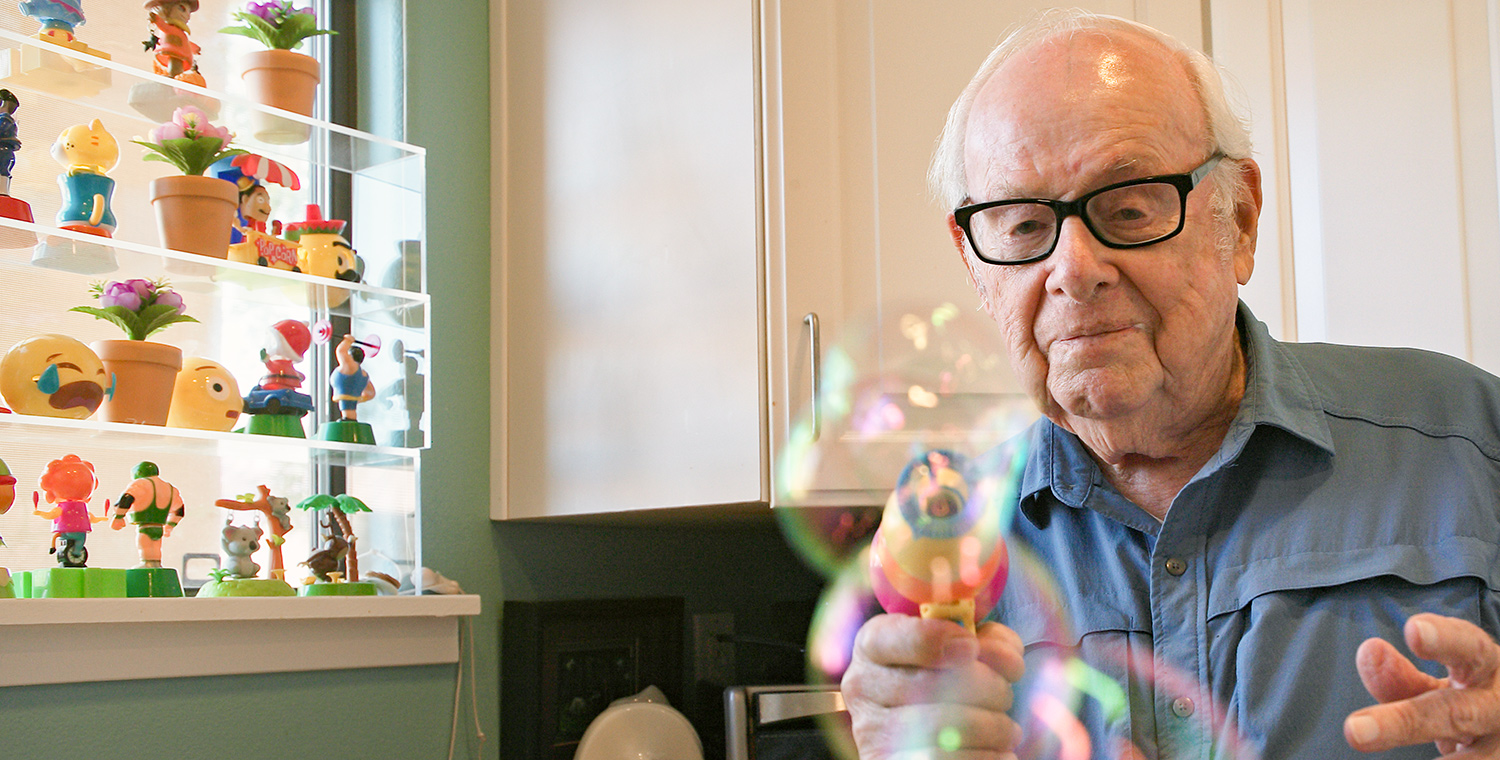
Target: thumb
(1388, 675)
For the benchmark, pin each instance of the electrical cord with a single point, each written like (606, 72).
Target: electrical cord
(465, 633)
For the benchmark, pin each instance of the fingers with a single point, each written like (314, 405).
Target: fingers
(1387, 674)
(931, 689)
(1457, 715)
(1468, 652)
(945, 728)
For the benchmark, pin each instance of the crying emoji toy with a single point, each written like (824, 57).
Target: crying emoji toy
(54, 376)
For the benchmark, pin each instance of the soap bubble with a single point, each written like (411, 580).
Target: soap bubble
(890, 388)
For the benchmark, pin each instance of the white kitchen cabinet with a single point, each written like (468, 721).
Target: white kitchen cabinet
(688, 194)
(1376, 124)
(235, 303)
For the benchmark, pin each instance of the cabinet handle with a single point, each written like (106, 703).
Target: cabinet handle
(811, 320)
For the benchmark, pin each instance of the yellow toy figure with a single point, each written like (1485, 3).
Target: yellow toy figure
(205, 397)
(169, 38)
(154, 506)
(321, 247)
(88, 151)
(54, 376)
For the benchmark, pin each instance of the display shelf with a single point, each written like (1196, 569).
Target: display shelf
(380, 184)
(346, 150)
(80, 640)
(30, 430)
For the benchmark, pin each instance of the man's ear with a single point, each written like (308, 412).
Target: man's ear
(957, 233)
(1247, 220)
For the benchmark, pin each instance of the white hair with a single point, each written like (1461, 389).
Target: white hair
(1229, 133)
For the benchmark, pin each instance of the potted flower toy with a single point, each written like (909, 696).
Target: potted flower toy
(278, 76)
(194, 213)
(145, 372)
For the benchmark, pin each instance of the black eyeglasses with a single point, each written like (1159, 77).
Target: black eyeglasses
(1131, 214)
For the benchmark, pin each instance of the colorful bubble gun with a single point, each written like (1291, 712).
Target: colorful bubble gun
(938, 551)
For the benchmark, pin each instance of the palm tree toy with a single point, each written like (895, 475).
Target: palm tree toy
(339, 507)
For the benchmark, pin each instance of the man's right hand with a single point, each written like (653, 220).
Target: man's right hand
(930, 689)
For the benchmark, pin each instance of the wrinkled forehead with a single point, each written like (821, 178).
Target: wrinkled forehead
(1083, 108)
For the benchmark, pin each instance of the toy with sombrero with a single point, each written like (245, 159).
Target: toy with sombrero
(322, 249)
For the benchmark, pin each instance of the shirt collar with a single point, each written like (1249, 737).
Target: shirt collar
(1278, 394)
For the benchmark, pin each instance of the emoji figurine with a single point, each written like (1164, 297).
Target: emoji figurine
(205, 397)
(54, 376)
(67, 485)
(321, 247)
(88, 151)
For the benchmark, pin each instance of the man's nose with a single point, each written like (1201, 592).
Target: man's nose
(1081, 266)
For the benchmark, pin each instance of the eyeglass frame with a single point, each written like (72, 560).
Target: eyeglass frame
(1185, 184)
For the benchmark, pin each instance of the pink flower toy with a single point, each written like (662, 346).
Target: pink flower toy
(189, 142)
(139, 307)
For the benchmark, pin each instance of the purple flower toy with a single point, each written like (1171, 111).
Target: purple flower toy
(139, 307)
(276, 24)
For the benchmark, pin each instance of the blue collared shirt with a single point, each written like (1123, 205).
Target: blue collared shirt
(1355, 487)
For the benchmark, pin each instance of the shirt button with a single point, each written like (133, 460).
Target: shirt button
(1182, 707)
(1176, 566)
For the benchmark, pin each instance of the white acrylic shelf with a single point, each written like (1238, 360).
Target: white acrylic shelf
(79, 640)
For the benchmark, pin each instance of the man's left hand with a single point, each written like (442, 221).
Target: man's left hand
(1460, 713)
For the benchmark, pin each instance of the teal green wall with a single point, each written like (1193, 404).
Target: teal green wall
(743, 568)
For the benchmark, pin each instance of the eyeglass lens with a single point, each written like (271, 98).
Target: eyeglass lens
(1130, 215)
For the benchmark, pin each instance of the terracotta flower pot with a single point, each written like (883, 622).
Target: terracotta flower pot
(281, 79)
(194, 213)
(144, 373)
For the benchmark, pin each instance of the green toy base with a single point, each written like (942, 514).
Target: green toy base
(284, 425)
(247, 587)
(348, 431)
(357, 588)
(152, 581)
(70, 583)
(7, 586)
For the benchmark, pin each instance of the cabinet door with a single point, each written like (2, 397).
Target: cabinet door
(865, 289)
(628, 347)
(1384, 159)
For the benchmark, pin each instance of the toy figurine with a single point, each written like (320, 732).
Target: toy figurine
(275, 405)
(154, 506)
(938, 551)
(321, 247)
(38, 67)
(169, 39)
(340, 545)
(351, 385)
(205, 397)
(237, 571)
(11, 207)
(7, 498)
(278, 515)
(174, 58)
(250, 241)
(68, 484)
(88, 152)
(54, 376)
(237, 545)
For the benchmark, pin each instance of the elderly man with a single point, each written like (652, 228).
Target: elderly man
(1250, 548)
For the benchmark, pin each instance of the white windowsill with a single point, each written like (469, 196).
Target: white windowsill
(46, 641)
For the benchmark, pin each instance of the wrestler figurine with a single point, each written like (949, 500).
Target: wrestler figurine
(155, 507)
